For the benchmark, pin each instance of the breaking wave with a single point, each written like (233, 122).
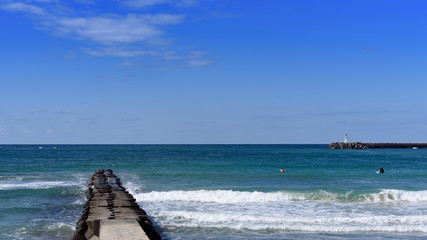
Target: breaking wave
(318, 211)
(296, 223)
(35, 185)
(230, 196)
(397, 195)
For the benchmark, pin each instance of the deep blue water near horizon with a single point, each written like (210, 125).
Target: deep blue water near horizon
(222, 191)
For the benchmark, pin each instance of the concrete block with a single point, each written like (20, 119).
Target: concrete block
(127, 229)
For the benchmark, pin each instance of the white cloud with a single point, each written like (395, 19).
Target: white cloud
(147, 3)
(194, 59)
(22, 7)
(109, 30)
(193, 55)
(172, 56)
(43, 1)
(85, 1)
(118, 35)
(118, 52)
(144, 3)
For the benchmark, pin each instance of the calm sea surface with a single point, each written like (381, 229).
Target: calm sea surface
(222, 191)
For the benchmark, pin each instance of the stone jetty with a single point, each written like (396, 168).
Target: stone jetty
(359, 145)
(350, 145)
(111, 212)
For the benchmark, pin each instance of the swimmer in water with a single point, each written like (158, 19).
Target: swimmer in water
(381, 170)
(281, 170)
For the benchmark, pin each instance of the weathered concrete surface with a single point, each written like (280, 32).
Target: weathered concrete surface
(128, 229)
(111, 212)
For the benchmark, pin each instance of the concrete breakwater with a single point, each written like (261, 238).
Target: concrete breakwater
(351, 145)
(359, 145)
(111, 212)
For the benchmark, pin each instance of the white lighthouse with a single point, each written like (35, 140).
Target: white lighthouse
(345, 138)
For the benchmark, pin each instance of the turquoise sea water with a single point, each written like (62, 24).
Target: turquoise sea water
(222, 191)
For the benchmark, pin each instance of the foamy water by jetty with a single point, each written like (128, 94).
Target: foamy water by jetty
(111, 212)
(360, 145)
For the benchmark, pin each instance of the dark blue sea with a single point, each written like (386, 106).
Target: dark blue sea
(222, 191)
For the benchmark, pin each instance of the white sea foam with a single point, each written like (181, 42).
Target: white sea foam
(318, 211)
(10, 178)
(80, 201)
(34, 185)
(295, 223)
(389, 195)
(229, 196)
(132, 187)
(81, 181)
(220, 196)
(61, 227)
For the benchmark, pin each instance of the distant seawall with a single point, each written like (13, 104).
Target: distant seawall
(360, 145)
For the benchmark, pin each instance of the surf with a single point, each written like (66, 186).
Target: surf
(35, 185)
(230, 196)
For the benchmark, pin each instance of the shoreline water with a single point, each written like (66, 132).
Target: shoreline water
(222, 191)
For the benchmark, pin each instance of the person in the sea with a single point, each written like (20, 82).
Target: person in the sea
(381, 170)
(281, 170)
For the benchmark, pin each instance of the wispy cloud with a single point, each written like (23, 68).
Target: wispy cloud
(144, 3)
(73, 120)
(348, 113)
(37, 112)
(280, 117)
(86, 1)
(196, 63)
(192, 55)
(111, 34)
(23, 7)
(110, 30)
(148, 3)
(105, 29)
(119, 52)
(194, 58)
(127, 64)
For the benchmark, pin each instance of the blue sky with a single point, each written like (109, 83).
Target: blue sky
(205, 71)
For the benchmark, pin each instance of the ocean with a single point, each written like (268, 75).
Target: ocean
(222, 191)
